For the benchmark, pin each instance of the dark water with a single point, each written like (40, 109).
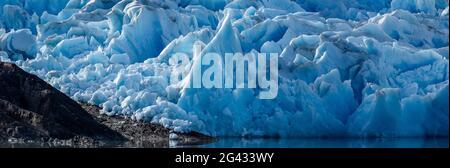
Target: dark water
(329, 143)
(260, 143)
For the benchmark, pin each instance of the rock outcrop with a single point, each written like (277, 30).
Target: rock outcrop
(32, 109)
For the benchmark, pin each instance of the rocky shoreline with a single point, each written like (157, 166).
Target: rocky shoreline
(141, 134)
(34, 114)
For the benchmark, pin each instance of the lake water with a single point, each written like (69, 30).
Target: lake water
(328, 143)
(264, 143)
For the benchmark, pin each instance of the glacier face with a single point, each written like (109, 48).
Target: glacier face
(346, 67)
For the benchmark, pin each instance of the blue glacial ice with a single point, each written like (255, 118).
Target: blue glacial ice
(347, 68)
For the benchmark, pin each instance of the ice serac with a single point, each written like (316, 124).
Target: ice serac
(197, 101)
(226, 39)
(427, 6)
(386, 113)
(20, 42)
(203, 16)
(149, 30)
(210, 4)
(336, 94)
(36, 6)
(15, 17)
(185, 44)
(347, 68)
(378, 115)
(71, 47)
(262, 32)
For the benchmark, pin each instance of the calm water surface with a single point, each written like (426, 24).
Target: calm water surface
(263, 143)
(328, 143)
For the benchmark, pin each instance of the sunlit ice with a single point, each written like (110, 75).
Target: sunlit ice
(231, 70)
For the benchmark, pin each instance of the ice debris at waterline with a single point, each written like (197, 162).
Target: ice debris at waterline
(346, 68)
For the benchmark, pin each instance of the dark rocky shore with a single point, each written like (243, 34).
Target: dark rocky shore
(140, 134)
(33, 112)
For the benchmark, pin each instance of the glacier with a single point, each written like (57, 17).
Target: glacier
(347, 68)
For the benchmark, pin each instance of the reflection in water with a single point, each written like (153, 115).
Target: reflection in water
(254, 143)
(15, 143)
(329, 143)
